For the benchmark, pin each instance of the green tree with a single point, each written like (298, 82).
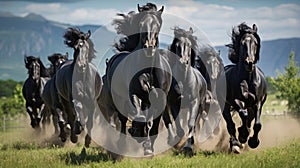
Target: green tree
(288, 84)
(14, 105)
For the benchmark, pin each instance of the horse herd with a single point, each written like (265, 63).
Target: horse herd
(144, 84)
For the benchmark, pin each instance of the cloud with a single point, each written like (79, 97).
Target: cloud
(46, 8)
(217, 20)
(213, 20)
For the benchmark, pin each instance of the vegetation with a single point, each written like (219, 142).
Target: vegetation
(21, 154)
(288, 84)
(12, 102)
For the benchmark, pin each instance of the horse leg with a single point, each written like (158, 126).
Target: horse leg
(89, 127)
(32, 119)
(194, 111)
(235, 145)
(243, 113)
(168, 125)
(253, 141)
(78, 126)
(61, 124)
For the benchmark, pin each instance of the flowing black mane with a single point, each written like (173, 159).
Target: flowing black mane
(44, 72)
(128, 26)
(236, 35)
(72, 35)
(178, 32)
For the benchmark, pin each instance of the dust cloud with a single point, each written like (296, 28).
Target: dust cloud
(276, 131)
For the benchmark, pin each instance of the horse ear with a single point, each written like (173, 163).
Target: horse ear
(87, 35)
(25, 59)
(139, 8)
(67, 55)
(161, 10)
(254, 27)
(191, 30)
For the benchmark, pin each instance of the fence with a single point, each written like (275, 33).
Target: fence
(10, 124)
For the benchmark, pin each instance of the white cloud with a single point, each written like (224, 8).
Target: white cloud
(213, 20)
(46, 8)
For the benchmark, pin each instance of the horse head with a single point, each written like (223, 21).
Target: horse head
(149, 28)
(213, 62)
(245, 46)
(82, 45)
(57, 60)
(184, 45)
(249, 48)
(33, 66)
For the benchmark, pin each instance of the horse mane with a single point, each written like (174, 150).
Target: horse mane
(237, 33)
(45, 72)
(72, 35)
(128, 26)
(178, 32)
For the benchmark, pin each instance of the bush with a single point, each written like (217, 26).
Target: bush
(288, 84)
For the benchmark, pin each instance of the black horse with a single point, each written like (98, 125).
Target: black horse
(211, 66)
(246, 86)
(138, 78)
(49, 94)
(188, 89)
(78, 85)
(33, 88)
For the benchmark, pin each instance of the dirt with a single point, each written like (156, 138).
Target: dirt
(276, 130)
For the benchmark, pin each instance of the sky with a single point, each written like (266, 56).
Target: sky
(213, 19)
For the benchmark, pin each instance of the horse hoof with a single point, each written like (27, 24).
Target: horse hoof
(74, 138)
(63, 137)
(187, 151)
(148, 152)
(236, 149)
(253, 143)
(87, 141)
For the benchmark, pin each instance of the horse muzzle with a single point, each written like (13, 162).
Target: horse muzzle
(149, 51)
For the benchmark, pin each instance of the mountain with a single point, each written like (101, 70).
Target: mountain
(31, 35)
(274, 54)
(38, 36)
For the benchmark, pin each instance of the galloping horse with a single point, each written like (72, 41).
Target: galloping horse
(49, 94)
(33, 88)
(188, 87)
(138, 77)
(78, 85)
(246, 86)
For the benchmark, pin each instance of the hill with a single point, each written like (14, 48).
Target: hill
(35, 35)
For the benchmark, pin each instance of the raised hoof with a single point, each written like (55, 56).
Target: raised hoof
(243, 134)
(63, 138)
(253, 143)
(236, 149)
(74, 138)
(33, 123)
(77, 128)
(187, 151)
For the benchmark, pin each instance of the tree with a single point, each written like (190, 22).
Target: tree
(14, 105)
(288, 84)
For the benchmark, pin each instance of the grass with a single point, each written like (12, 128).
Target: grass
(273, 103)
(25, 154)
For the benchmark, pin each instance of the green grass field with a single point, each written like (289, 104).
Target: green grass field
(21, 153)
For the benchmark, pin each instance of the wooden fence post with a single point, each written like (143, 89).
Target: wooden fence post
(4, 129)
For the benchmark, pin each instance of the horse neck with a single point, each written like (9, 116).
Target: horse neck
(245, 75)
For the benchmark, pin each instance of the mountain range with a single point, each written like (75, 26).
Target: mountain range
(35, 35)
